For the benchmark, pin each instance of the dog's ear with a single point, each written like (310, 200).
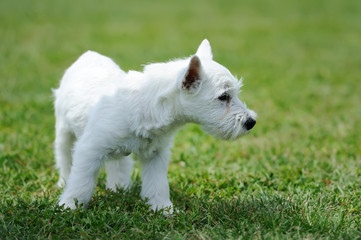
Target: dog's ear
(193, 75)
(204, 50)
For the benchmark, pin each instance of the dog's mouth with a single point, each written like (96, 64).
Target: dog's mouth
(227, 133)
(234, 136)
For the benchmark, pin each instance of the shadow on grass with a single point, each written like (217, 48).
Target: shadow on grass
(123, 214)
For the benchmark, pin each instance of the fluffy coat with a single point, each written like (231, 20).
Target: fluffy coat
(104, 114)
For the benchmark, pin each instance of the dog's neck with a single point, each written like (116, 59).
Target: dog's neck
(161, 113)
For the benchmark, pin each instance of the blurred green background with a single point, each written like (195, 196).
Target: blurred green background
(301, 63)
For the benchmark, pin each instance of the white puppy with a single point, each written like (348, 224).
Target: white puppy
(104, 114)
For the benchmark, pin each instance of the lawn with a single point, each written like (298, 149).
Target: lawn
(297, 175)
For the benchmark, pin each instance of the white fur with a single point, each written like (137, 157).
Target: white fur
(103, 114)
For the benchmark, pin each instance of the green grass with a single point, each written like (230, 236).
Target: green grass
(296, 176)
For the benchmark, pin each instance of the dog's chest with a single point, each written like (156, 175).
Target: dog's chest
(145, 146)
(137, 145)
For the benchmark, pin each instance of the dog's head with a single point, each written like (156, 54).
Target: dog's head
(209, 96)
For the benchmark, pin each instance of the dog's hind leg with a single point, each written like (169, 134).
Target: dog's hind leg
(87, 159)
(64, 140)
(119, 172)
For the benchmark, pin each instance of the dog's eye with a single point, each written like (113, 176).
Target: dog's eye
(224, 97)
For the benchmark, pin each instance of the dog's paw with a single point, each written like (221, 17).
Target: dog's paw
(165, 207)
(61, 183)
(67, 204)
(113, 186)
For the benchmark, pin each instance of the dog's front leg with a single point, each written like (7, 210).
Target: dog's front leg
(155, 186)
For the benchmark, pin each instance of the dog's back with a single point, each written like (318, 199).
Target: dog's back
(83, 84)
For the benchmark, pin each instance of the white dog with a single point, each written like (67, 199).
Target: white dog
(104, 114)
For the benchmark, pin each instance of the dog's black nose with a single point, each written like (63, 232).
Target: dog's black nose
(250, 122)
